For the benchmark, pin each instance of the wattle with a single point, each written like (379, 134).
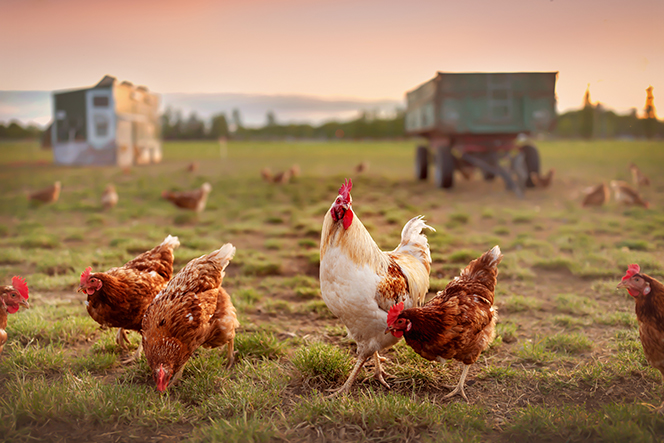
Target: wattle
(89, 291)
(348, 219)
(397, 333)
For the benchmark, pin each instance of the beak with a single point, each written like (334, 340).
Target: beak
(388, 329)
(25, 303)
(80, 289)
(622, 284)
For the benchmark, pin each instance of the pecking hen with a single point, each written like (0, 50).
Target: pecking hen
(625, 194)
(648, 294)
(49, 194)
(11, 297)
(192, 310)
(193, 200)
(360, 283)
(109, 198)
(458, 323)
(119, 297)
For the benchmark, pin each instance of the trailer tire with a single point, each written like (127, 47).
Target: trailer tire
(444, 176)
(532, 158)
(421, 163)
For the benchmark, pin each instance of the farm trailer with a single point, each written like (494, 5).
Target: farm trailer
(479, 120)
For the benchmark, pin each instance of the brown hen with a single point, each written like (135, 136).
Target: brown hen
(49, 194)
(193, 200)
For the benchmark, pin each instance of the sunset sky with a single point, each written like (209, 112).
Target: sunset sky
(371, 49)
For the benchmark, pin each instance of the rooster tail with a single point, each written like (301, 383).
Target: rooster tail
(413, 241)
(171, 242)
(477, 269)
(222, 256)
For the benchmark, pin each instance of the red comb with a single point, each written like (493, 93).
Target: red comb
(394, 313)
(86, 274)
(631, 270)
(344, 190)
(21, 286)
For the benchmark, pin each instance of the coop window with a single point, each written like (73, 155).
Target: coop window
(101, 127)
(100, 101)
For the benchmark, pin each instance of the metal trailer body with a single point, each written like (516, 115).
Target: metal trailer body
(473, 120)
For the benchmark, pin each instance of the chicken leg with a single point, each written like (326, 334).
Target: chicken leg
(361, 360)
(379, 373)
(459, 387)
(230, 354)
(121, 338)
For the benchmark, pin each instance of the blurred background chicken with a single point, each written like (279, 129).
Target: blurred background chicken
(648, 294)
(109, 198)
(11, 298)
(192, 310)
(119, 297)
(49, 194)
(360, 283)
(458, 323)
(625, 194)
(361, 168)
(596, 195)
(192, 167)
(266, 174)
(542, 181)
(295, 171)
(638, 178)
(194, 200)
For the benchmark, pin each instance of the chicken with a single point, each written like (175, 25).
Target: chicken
(295, 171)
(11, 297)
(282, 177)
(542, 181)
(362, 167)
(638, 177)
(109, 198)
(596, 195)
(192, 167)
(192, 310)
(119, 297)
(194, 200)
(266, 174)
(648, 294)
(50, 194)
(360, 283)
(624, 193)
(458, 323)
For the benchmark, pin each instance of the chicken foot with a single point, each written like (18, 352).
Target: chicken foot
(459, 387)
(134, 356)
(229, 354)
(121, 338)
(351, 378)
(379, 372)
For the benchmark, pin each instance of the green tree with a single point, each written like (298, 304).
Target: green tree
(218, 126)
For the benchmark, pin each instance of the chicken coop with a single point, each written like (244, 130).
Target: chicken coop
(111, 123)
(481, 121)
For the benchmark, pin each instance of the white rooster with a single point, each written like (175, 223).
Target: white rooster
(360, 283)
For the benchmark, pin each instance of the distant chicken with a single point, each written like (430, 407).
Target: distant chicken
(109, 198)
(282, 177)
(362, 168)
(192, 167)
(11, 297)
(458, 323)
(360, 283)
(648, 294)
(624, 193)
(192, 310)
(638, 178)
(119, 297)
(266, 174)
(50, 194)
(295, 171)
(194, 200)
(596, 195)
(542, 181)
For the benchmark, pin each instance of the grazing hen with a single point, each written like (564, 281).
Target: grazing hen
(109, 198)
(194, 200)
(648, 294)
(458, 323)
(119, 297)
(542, 181)
(11, 297)
(596, 195)
(50, 194)
(624, 193)
(360, 283)
(638, 177)
(192, 310)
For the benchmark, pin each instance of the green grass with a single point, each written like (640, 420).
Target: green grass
(567, 363)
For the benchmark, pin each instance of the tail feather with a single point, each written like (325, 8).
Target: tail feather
(171, 241)
(488, 261)
(413, 241)
(223, 255)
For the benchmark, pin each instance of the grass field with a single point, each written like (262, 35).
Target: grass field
(567, 364)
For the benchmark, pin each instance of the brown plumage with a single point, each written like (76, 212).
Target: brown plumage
(596, 195)
(266, 174)
(109, 198)
(638, 177)
(295, 171)
(119, 297)
(542, 181)
(283, 177)
(459, 322)
(192, 167)
(362, 167)
(11, 297)
(625, 194)
(648, 294)
(49, 194)
(192, 310)
(193, 200)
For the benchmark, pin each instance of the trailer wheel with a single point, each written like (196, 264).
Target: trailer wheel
(444, 167)
(532, 163)
(421, 163)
